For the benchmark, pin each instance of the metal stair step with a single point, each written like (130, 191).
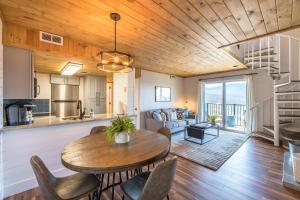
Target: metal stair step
(282, 122)
(263, 135)
(288, 101)
(289, 109)
(265, 56)
(269, 129)
(287, 92)
(289, 116)
(275, 69)
(262, 51)
(281, 73)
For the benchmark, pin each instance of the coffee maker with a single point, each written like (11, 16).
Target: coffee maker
(19, 113)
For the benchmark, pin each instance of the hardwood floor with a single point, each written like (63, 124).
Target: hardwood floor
(253, 172)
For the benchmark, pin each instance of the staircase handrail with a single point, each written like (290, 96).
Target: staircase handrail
(261, 102)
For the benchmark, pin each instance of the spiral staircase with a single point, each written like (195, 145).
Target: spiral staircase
(279, 55)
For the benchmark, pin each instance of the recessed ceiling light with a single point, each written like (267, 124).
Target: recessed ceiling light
(71, 68)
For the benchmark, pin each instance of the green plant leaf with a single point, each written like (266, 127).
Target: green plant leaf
(119, 124)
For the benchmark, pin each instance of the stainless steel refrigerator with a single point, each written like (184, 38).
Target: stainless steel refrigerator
(64, 99)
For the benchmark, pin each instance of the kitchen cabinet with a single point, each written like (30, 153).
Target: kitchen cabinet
(95, 94)
(57, 79)
(62, 80)
(73, 80)
(17, 73)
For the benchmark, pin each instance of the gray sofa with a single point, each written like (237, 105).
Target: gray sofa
(174, 125)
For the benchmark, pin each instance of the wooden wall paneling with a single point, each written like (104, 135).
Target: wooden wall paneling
(211, 16)
(222, 11)
(295, 12)
(148, 44)
(110, 23)
(71, 48)
(164, 47)
(269, 12)
(255, 16)
(238, 11)
(284, 13)
(163, 11)
(197, 40)
(198, 18)
(177, 13)
(145, 45)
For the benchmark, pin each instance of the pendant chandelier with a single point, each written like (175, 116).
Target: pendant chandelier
(115, 61)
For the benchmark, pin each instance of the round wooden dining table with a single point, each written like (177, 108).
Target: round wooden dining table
(93, 154)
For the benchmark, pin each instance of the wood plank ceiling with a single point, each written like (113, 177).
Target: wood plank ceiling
(178, 37)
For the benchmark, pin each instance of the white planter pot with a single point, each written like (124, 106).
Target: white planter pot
(122, 138)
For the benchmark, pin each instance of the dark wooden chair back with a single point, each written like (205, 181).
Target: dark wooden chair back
(160, 181)
(166, 132)
(44, 178)
(97, 129)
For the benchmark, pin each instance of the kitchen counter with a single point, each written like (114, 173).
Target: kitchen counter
(55, 121)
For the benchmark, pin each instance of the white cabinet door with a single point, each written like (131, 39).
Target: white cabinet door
(58, 79)
(95, 90)
(73, 80)
(17, 73)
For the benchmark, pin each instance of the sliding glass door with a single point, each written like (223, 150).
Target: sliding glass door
(226, 101)
(213, 101)
(235, 105)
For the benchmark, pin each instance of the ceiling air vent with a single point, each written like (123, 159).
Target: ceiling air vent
(51, 38)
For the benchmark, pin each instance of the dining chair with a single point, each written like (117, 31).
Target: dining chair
(151, 185)
(71, 187)
(97, 129)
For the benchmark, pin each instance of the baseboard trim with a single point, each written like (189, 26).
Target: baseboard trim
(29, 183)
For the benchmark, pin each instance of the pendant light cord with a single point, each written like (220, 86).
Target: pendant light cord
(115, 35)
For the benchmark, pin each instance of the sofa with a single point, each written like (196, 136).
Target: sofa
(158, 118)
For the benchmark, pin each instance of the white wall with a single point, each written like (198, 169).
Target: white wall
(1, 110)
(149, 80)
(123, 93)
(46, 142)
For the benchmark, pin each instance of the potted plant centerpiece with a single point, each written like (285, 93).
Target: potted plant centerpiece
(121, 128)
(212, 119)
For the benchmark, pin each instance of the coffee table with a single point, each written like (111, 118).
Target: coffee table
(199, 131)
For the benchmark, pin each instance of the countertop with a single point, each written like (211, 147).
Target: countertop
(55, 121)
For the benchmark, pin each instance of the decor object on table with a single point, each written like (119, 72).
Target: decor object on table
(121, 128)
(162, 94)
(212, 119)
(115, 61)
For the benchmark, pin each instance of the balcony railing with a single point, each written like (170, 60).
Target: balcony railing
(235, 113)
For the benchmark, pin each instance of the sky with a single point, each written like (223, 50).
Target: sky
(235, 92)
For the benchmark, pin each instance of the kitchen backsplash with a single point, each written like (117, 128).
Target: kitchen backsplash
(41, 109)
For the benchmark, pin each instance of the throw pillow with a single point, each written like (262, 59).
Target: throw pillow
(173, 116)
(157, 116)
(180, 115)
(163, 116)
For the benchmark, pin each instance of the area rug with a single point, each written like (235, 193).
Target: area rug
(212, 154)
